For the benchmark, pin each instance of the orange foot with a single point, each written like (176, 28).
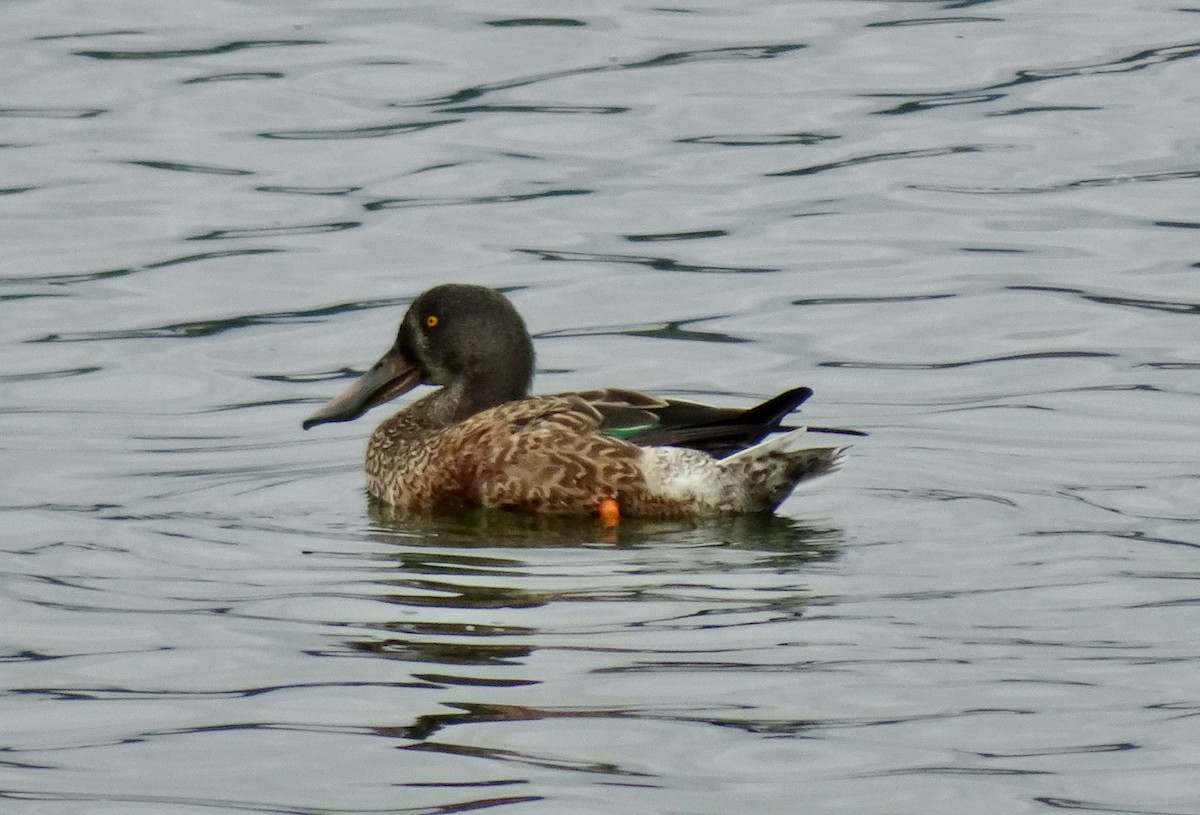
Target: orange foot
(610, 512)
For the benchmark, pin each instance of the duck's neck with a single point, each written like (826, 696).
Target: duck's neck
(459, 400)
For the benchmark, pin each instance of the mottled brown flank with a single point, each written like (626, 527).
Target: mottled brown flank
(540, 455)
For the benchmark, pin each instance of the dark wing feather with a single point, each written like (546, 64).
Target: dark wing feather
(720, 431)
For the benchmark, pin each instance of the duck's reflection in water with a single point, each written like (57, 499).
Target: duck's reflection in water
(504, 618)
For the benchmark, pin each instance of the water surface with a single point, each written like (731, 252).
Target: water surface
(970, 227)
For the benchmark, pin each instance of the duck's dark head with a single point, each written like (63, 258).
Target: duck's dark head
(468, 339)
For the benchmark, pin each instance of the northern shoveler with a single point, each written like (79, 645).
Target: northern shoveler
(482, 440)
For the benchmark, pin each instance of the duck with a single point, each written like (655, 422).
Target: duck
(481, 440)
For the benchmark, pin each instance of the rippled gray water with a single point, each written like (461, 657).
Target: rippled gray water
(971, 227)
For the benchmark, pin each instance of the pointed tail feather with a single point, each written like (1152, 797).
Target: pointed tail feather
(773, 468)
(773, 411)
(814, 461)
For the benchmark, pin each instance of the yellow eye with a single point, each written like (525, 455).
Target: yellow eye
(431, 320)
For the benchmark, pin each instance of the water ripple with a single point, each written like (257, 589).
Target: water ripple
(1169, 306)
(1099, 806)
(251, 806)
(119, 32)
(237, 233)
(760, 139)
(360, 132)
(987, 93)
(209, 328)
(918, 21)
(51, 113)
(677, 236)
(670, 330)
(516, 22)
(178, 166)
(529, 759)
(741, 52)
(43, 375)
(235, 76)
(185, 53)
(308, 190)
(1083, 183)
(938, 366)
(662, 264)
(838, 301)
(108, 274)
(511, 198)
(602, 110)
(896, 155)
